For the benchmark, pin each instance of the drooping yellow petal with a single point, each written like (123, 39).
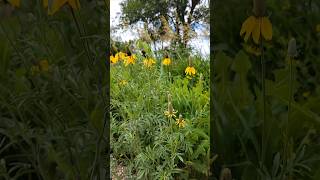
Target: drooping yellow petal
(266, 28)
(45, 3)
(318, 28)
(56, 5)
(35, 69)
(256, 30)
(186, 70)
(44, 65)
(247, 27)
(244, 27)
(193, 70)
(15, 3)
(75, 4)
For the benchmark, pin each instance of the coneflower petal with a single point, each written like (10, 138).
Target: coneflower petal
(256, 30)
(250, 24)
(266, 28)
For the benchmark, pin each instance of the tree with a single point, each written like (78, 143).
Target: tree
(161, 17)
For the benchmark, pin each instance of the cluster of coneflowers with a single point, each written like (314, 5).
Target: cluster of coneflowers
(148, 62)
(127, 58)
(171, 113)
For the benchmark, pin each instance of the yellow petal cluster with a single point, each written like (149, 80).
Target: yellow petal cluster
(190, 70)
(318, 28)
(166, 61)
(122, 55)
(171, 112)
(129, 60)
(256, 27)
(35, 69)
(180, 122)
(149, 62)
(123, 82)
(15, 3)
(42, 66)
(114, 59)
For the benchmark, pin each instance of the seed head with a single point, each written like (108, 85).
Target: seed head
(170, 108)
(259, 7)
(190, 61)
(292, 48)
(225, 174)
(169, 98)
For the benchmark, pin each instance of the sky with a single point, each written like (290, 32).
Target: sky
(201, 43)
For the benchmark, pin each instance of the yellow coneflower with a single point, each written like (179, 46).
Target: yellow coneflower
(45, 3)
(44, 65)
(180, 122)
(114, 59)
(130, 59)
(318, 28)
(171, 112)
(190, 70)
(306, 94)
(122, 55)
(258, 25)
(123, 82)
(35, 69)
(166, 61)
(57, 4)
(15, 3)
(149, 62)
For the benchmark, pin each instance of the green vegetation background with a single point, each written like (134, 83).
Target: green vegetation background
(145, 143)
(52, 121)
(237, 127)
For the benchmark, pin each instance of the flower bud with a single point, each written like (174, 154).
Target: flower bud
(292, 48)
(225, 174)
(190, 61)
(170, 108)
(169, 98)
(201, 77)
(259, 7)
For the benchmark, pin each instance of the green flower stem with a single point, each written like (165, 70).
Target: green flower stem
(287, 149)
(263, 148)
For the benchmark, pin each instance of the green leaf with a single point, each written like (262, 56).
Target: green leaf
(97, 117)
(221, 64)
(240, 91)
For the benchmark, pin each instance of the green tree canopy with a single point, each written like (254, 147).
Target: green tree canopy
(158, 15)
